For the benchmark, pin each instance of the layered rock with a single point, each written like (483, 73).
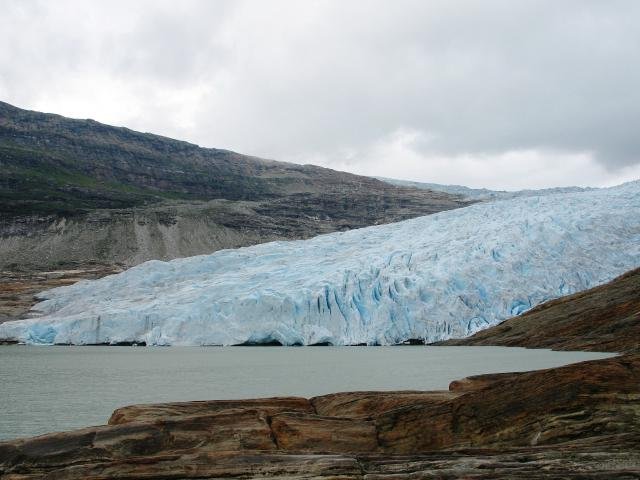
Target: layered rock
(578, 421)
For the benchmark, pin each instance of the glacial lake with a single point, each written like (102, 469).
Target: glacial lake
(47, 389)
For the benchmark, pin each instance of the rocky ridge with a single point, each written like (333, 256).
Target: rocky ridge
(76, 192)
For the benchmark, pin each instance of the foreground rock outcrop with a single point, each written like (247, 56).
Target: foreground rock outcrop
(578, 421)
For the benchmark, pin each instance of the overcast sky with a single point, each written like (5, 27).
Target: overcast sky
(501, 94)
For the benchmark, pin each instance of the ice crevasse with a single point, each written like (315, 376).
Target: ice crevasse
(430, 278)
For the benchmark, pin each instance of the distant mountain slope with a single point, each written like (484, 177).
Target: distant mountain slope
(78, 191)
(605, 319)
(425, 279)
(481, 194)
(56, 164)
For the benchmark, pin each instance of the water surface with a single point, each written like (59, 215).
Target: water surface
(45, 389)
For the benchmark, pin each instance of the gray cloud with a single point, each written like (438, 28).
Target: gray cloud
(414, 89)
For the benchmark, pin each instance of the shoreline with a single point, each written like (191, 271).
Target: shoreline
(580, 420)
(540, 417)
(80, 387)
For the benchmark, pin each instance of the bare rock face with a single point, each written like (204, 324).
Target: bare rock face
(323, 434)
(150, 412)
(534, 408)
(578, 421)
(371, 404)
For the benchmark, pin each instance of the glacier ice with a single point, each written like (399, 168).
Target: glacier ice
(482, 194)
(445, 275)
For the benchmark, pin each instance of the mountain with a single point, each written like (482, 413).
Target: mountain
(605, 318)
(426, 279)
(481, 194)
(76, 192)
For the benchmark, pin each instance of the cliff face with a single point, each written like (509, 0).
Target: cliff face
(605, 318)
(77, 191)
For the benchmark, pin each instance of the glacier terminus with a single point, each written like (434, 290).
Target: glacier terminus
(430, 278)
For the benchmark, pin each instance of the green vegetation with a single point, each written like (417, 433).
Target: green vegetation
(54, 165)
(34, 182)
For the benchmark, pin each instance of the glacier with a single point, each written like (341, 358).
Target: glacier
(481, 194)
(430, 278)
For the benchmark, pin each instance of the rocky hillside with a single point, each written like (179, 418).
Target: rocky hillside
(604, 318)
(74, 192)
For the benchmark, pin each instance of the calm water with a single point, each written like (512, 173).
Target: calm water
(44, 389)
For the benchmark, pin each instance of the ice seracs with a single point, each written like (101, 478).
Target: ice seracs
(429, 278)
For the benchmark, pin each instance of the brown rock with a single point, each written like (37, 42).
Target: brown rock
(139, 413)
(574, 402)
(477, 382)
(233, 431)
(208, 465)
(370, 404)
(313, 433)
